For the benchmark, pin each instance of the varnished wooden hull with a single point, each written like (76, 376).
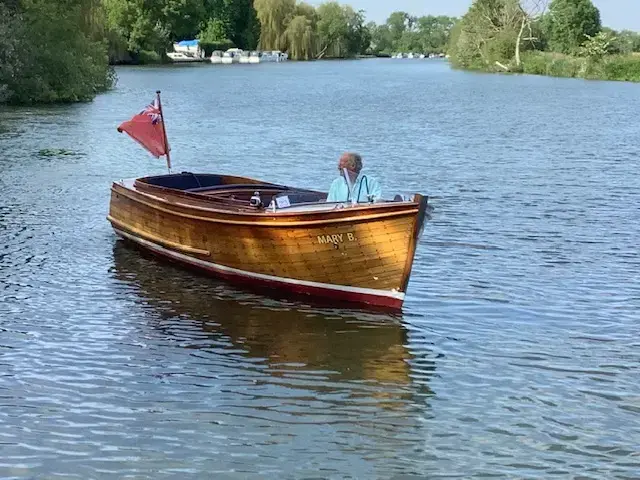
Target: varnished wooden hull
(361, 254)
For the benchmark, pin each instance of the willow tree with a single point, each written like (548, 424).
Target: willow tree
(300, 35)
(274, 17)
(300, 38)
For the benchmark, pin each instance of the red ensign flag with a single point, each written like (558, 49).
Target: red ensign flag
(147, 128)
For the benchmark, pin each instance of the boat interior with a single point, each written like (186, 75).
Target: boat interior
(241, 193)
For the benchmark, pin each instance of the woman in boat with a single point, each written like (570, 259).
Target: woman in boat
(363, 188)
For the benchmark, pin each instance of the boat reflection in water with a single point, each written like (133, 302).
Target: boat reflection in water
(361, 354)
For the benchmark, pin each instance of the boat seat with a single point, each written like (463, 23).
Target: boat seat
(297, 197)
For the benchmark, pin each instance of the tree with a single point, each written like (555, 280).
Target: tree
(358, 38)
(215, 31)
(399, 23)
(333, 29)
(139, 28)
(488, 34)
(12, 33)
(244, 24)
(274, 16)
(183, 18)
(624, 42)
(596, 47)
(381, 40)
(495, 32)
(570, 23)
(433, 33)
(531, 11)
(300, 38)
(65, 62)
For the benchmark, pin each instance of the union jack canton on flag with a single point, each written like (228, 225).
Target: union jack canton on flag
(147, 128)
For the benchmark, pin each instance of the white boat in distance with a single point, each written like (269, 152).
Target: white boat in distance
(216, 56)
(244, 57)
(231, 56)
(238, 55)
(186, 51)
(273, 56)
(182, 57)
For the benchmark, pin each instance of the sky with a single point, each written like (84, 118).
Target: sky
(617, 14)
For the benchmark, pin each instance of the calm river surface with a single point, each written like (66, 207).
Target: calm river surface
(517, 354)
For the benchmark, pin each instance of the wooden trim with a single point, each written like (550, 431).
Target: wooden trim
(418, 222)
(294, 223)
(153, 238)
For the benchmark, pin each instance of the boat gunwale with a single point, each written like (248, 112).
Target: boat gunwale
(269, 218)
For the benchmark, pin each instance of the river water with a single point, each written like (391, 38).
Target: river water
(517, 354)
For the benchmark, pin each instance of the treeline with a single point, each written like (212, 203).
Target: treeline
(560, 37)
(305, 32)
(61, 51)
(337, 31)
(140, 32)
(406, 33)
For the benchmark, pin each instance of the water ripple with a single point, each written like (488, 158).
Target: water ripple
(516, 355)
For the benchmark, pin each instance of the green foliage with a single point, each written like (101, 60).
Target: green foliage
(621, 67)
(487, 34)
(147, 57)
(358, 37)
(596, 47)
(333, 29)
(243, 22)
(300, 38)
(182, 18)
(274, 16)
(624, 42)
(12, 32)
(433, 33)
(405, 33)
(153, 25)
(210, 47)
(137, 27)
(399, 23)
(569, 22)
(553, 64)
(215, 31)
(63, 62)
(610, 67)
(381, 40)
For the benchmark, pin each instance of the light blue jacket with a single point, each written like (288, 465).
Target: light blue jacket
(364, 185)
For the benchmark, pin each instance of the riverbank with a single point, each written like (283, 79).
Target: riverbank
(153, 58)
(618, 68)
(624, 68)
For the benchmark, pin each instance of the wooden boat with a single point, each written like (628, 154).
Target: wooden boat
(264, 234)
(233, 227)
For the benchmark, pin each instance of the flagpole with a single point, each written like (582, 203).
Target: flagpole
(164, 133)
